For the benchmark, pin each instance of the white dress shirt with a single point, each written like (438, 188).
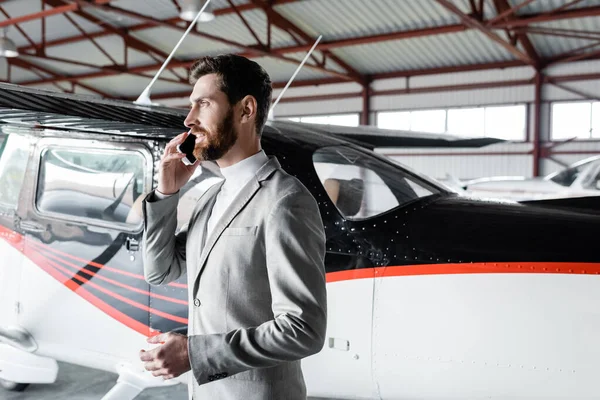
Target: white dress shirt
(236, 177)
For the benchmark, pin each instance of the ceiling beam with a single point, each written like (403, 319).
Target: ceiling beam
(474, 24)
(571, 78)
(258, 50)
(285, 24)
(136, 43)
(451, 88)
(94, 42)
(246, 24)
(254, 52)
(389, 75)
(130, 40)
(22, 63)
(525, 20)
(21, 31)
(587, 96)
(578, 57)
(448, 70)
(112, 69)
(47, 13)
(568, 33)
(482, 85)
(504, 9)
(521, 21)
(77, 6)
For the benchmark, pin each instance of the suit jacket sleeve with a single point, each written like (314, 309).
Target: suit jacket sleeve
(295, 251)
(163, 251)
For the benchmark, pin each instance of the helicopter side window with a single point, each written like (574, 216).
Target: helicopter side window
(568, 176)
(14, 153)
(101, 185)
(363, 186)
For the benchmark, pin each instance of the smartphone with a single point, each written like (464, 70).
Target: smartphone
(187, 148)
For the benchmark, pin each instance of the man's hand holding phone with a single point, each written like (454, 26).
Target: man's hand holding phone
(173, 173)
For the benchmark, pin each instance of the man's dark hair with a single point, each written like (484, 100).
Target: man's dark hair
(239, 77)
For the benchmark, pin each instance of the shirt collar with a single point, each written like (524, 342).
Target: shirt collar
(241, 172)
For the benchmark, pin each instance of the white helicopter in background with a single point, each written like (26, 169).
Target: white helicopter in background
(581, 179)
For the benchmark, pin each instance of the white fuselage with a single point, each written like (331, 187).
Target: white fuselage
(391, 334)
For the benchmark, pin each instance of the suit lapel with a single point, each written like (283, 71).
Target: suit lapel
(231, 212)
(204, 207)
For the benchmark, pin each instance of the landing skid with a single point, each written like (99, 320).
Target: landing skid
(19, 367)
(133, 381)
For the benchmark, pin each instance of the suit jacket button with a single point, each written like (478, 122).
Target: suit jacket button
(197, 302)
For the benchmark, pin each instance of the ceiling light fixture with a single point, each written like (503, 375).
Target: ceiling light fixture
(191, 7)
(7, 46)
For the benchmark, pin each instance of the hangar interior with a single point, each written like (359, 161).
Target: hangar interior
(522, 71)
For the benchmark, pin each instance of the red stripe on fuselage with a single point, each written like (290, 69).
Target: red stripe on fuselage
(577, 268)
(118, 296)
(97, 265)
(126, 320)
(45, 253)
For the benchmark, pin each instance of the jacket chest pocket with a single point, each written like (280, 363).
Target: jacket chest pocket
(237, 246)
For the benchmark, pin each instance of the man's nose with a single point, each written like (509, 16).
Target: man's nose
(191, 120)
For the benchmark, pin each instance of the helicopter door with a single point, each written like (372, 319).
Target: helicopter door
(83, 228)
(15, 149)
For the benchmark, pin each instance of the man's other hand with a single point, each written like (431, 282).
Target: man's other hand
(169, 360)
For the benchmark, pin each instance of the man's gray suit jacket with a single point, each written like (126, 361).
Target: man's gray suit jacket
(257, 295)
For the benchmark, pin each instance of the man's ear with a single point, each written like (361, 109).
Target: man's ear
(248, 108)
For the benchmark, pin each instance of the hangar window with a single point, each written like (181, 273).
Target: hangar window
(502, 122)
(102, 185)
(14, 153)
(362, 185)
(431, 121)
(576, 120)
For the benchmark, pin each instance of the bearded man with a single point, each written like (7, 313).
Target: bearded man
(253, 250)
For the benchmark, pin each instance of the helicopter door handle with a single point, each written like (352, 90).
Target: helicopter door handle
(29, 226)
(339, 344)
(132, 244)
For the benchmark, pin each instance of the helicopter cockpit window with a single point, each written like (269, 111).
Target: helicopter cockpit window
(101, 185)
(363, 186)
(567, 176)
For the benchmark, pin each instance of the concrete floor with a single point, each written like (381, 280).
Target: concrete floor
(76, 382)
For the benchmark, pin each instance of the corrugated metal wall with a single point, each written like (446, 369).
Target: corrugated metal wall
(464, 163)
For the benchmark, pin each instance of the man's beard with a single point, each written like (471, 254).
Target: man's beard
(217, 143)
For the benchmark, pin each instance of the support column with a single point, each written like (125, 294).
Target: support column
(537, 111)
(366, 104)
